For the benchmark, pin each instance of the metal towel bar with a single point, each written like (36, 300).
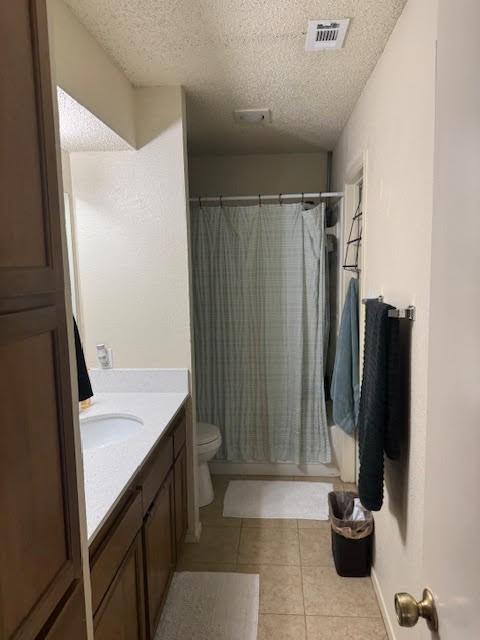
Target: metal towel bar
(408, 313)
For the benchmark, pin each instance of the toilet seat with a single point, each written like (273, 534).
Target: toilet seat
(207, 433)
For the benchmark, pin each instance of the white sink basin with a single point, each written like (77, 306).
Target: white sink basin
(103, 430)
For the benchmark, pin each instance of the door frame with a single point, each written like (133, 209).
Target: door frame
(82, 512)
(357, 173)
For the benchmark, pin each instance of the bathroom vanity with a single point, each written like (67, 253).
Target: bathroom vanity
(136, 504)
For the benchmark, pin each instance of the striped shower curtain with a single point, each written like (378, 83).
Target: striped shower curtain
(260, 324)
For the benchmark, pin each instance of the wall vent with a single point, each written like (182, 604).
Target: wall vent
(326, 34)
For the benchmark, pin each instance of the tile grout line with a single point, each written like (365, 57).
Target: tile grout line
(301, 578)
(343, 617)
(303, 598)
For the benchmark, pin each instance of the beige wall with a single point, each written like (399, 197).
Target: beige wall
(393, 124)
(252, 174)
(66, 174)
(130, 209)
(83, 69)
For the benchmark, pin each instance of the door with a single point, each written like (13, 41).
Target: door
(452, 505)
(158, 534)
(121, 614)
(39, 535)
(181, 512)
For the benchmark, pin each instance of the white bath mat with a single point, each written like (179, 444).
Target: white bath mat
(211, 606)
(277, 499)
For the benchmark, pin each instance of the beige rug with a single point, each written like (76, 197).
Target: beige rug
(211, 606)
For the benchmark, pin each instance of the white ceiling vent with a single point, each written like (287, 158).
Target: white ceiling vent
(326, 34)
(252, 116)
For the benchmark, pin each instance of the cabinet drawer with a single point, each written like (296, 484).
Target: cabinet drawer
(156, 471)
(179, 435)
(111, 552)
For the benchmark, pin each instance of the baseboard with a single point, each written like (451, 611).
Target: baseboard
(219, 467)
(383, 608)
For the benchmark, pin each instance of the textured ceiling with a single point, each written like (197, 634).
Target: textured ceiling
(80, 130)
(231, 54)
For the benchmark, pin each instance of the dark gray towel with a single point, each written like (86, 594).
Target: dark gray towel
(83, 379)
(397, 402)
(378, 421)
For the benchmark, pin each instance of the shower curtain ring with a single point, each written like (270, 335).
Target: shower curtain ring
(221, 202)
(303, 198)
(200, 201)
(259, 200)
(279, 198)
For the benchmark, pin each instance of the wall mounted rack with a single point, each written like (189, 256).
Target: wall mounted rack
(407, 314)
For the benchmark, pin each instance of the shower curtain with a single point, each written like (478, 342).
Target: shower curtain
(260, 329)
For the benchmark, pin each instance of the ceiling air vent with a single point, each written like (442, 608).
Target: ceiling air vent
(326, 34)
(252, 116)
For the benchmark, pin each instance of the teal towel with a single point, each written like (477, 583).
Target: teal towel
(345, 388)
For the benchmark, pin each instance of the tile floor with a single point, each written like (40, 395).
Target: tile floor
(301, 595)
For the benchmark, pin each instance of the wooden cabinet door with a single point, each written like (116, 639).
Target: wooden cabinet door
(40, 562)
(121, 616)
(158, 537)
(181, 513)
(69, 623)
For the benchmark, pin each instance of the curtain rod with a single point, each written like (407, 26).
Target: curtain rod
(261, 197)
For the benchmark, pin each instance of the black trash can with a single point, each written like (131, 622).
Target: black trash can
(352, 540)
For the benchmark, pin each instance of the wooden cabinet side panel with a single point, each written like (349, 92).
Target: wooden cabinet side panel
(30, 243)
(39, 551)
(40, 562)
(22, 241)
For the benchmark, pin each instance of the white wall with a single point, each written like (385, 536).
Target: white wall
(131, 217)
(261, 173)
(393, 123)
(83, 69)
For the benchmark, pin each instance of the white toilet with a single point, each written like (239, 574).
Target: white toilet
(209, 441)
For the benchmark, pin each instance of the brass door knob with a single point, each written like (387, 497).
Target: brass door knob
(408, 610)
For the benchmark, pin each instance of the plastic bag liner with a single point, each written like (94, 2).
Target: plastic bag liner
(340, 506)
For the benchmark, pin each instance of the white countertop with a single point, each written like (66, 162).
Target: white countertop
(109, 469)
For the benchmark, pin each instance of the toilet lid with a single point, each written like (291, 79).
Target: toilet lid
(207, 433)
